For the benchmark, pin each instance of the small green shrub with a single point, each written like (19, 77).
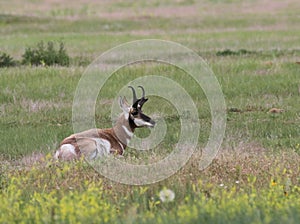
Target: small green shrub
(228, 52)
(6, 60)
(46, 55)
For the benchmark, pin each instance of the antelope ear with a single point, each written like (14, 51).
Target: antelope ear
(124, 105)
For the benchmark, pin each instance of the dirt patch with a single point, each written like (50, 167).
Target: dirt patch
(30, 160)
(115, 10)
(33, 106)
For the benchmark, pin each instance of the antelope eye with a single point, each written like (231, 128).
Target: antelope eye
(134, 112)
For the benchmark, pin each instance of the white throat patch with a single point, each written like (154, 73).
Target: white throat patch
(129, 133)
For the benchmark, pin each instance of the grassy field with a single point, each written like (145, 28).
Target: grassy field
(253, 48)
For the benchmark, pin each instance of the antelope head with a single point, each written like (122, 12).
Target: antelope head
(133, 113)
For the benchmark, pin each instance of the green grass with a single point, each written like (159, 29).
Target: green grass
(255, 56)
(35, 98)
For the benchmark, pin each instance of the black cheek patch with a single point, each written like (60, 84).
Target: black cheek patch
(131, 122)
(145, 117)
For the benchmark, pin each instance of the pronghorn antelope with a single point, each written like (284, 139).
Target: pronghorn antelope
(98, 142)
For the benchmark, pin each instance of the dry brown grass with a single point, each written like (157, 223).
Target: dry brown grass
(246, 163)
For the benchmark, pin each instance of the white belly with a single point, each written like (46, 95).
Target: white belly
(102, 146)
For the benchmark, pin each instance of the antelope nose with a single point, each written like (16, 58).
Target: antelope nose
(152, 122)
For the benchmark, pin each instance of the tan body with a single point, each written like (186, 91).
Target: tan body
(96, 142)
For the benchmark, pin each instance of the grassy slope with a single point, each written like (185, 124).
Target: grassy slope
(36, 102)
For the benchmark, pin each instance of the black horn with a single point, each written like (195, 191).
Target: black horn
(143, 99)
(143, 96)
(133, 93)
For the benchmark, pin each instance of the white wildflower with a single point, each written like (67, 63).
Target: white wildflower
(166, 195)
